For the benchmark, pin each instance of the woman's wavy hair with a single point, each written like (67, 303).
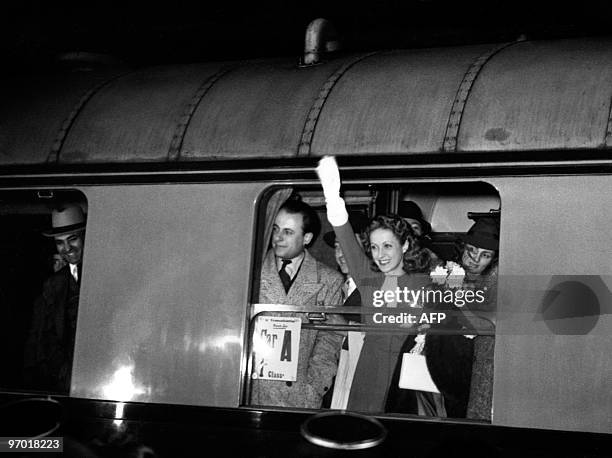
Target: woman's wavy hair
(458, 257)
(416, 259)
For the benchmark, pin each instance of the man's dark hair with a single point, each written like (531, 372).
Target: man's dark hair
(310, 219)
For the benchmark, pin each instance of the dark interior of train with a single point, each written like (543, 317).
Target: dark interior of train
(28, 260)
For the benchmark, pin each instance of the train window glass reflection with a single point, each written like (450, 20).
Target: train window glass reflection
(43, 234)
(379, 360)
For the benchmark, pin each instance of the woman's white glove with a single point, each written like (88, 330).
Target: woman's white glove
(329, 175)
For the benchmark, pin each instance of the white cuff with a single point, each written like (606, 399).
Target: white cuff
(336, 211)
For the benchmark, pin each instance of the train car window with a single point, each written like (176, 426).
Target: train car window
(43, 235)
(391, 340)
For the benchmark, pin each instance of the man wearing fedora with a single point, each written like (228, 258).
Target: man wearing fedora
(50, 345)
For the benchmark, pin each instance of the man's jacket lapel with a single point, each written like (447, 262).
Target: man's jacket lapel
(305, 284)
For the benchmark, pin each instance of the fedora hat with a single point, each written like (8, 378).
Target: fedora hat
(66, 220)
(409, 209)
(358, 221)
(484, 233)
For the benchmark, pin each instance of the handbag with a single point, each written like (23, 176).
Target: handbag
(414, 374)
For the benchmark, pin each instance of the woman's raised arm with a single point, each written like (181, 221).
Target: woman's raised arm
(338, 217)
(329, 175)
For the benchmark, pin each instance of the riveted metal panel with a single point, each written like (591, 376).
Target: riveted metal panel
(256, 111)
(135, 117)
(398, 102)
(528, 96)
(454, 120)
(540, 95)
(33, 111)
(319, 103)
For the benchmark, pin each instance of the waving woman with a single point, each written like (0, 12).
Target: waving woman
(393, 259)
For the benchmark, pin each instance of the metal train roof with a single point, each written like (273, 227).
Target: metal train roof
(518, 96)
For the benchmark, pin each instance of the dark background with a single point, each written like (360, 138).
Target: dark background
(33, 33)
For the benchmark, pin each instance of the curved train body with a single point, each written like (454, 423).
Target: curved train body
(175, 166)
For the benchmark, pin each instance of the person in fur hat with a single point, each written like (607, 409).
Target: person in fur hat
(461, 364)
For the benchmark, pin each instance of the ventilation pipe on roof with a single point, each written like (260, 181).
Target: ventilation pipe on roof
(321, 37)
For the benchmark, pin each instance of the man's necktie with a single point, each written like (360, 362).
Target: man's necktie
(284, 276)
(75, 272)
(346, 287)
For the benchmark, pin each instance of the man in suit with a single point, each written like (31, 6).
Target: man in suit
(290, 275)
(50, 345)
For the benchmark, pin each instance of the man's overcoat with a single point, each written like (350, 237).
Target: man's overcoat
(50, 345)
(314, 285)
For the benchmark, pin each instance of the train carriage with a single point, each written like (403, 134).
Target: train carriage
(176, 166)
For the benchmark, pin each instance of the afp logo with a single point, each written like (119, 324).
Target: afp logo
(573, 304)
